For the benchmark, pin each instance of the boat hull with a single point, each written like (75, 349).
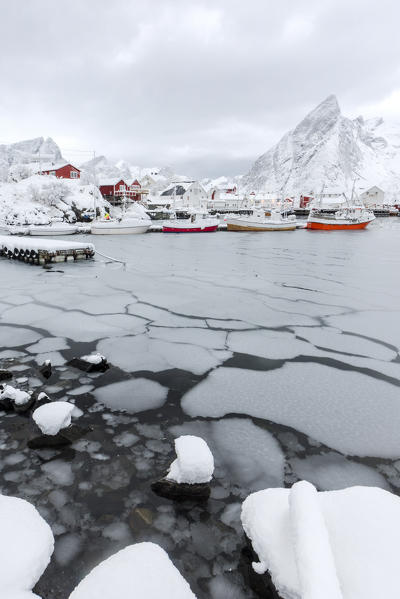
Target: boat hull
(115, 230)
(208, 229)
(336, 226)
(237, 225)
(42, 232)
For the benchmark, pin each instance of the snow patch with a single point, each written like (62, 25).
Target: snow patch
(194, 463)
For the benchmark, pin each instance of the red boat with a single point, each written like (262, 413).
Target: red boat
(354, 217)
(199, 222)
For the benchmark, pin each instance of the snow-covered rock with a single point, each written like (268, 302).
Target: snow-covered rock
(53, 417)
(141, 571)
(95, 358)
(17, 396)
(326, 148)
(194, 463)
(334, 544)
(26, 545)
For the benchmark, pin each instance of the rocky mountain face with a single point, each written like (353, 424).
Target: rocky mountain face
(326, 148)
(27, 152)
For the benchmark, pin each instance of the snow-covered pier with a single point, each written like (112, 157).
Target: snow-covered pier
(44, 251)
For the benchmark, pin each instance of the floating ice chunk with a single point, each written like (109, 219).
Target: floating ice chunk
(26, 545)
(53, 417)
(371, 323)
(191, 335)
(327, 404)
(273, 345)
(117, 531)
(81, 390)
(194, 463)
(59, 472)
(133, 354)
(67, 548)
(332, 471)
(134, 395)
(20, 398)
(142, 571)
(16, 336)
(334, 339)
(53, 358)
(305, 539)
(48, 345)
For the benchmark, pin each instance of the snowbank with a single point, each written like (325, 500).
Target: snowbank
(26, 545)
(41, 199)
(53, 416)
(194, 463)
(335, 544)
(141, 571)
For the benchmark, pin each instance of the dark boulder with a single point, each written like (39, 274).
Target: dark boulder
(45, 369)
(85, 366)
(181, 491)
(5, 375)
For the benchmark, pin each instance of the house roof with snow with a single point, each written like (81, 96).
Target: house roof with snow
(110, 181)
(180, 189)
(54, 166)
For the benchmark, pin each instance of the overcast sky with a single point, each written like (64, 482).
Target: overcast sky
(203, 86)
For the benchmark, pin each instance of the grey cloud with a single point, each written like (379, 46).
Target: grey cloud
(205, 86)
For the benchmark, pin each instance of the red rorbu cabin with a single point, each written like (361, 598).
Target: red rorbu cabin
(61, 171)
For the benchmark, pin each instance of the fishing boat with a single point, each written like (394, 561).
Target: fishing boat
(258, 221)
(52, 229)
(122, 227)
(199, 222)
(349, 218)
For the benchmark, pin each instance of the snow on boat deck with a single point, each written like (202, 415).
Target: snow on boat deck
(42, 251)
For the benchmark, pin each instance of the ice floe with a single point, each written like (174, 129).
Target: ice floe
(273, 345)
(16, 336)
(348, 411)
(133, 395)
(143, 571)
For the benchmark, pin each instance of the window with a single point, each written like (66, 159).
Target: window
(52, 173)
(122, 187)
(73, 174)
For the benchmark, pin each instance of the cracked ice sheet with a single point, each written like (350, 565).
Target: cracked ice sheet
(139, 352)
(73, 324)
(347, 411)
(48, 344)
(381, 325)
(134, 395)
(250, 455)
(332, 471)
(194, 336)
(160, 317)
(334, 339)
(273, 345)
(16, 336)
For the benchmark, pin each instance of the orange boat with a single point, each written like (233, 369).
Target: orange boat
(354, 217)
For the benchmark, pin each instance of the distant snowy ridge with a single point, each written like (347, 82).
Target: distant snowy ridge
(27, 152)
(326, 148)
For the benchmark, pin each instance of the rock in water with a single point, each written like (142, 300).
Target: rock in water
(5, 375)
(45, 369)
(90, 363)
(190, 474)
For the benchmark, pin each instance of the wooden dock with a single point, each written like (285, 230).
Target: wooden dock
(44, 251)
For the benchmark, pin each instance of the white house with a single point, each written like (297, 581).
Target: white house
(188, 194)
(374, 196)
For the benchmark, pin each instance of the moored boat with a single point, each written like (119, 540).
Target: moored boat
(259, 222)
(52, 229)
(350, 218)
(199, 222)
(123, 227)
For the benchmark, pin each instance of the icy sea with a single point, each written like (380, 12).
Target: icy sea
(279, 349)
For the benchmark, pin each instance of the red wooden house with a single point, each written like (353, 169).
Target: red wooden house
(61, 171)
(135, 188)
(113, 188)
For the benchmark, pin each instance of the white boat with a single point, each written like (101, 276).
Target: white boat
(199, 222)
(53, 229)
(259, 222)
(123, 227)
(350, 218)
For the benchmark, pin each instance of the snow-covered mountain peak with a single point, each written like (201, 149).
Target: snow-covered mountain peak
(327, 148)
